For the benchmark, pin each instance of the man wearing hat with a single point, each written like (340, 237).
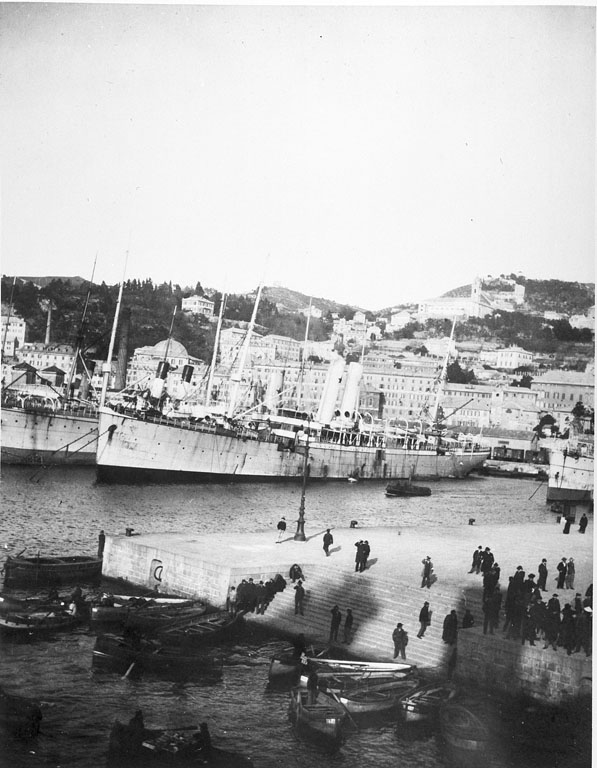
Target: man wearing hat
(400, 639)
(281, 529)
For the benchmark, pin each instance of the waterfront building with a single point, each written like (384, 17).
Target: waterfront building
(198, 305)
(561, 390)
(13, 331)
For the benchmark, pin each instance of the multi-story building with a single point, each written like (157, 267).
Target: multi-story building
(198, 305)
(42, 356)
(513, 358)
(13, 331)
(144, 363)
(561, 390)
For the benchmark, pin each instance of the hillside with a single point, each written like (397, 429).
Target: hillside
(293, 301)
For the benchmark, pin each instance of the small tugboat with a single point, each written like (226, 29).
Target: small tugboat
(423, 704)
(19, 717)
(133, 744)
(321, 719)
(404, 488)
(51, 571)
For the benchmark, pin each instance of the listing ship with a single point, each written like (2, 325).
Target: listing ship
(571, 469)
(46, 430)
(139, 441)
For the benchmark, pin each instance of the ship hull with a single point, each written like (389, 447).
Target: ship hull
(571, 477)
(131, 449)
(42, 438)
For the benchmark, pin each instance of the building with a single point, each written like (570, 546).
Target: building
(14, 332)
(198, 305)
(311, 311)
(513, 358)
(143, 366)
(467, 301)
(561, 390)
(42, 356)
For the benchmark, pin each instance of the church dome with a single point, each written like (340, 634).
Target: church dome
(175, 349)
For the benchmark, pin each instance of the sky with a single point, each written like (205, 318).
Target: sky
(370, 155)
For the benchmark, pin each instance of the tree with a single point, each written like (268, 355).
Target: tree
(458, 375)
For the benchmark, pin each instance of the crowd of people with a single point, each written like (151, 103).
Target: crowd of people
(254, 597)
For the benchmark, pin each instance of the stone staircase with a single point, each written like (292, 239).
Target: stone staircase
(377, 604)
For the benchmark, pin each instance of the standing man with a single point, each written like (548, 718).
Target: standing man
(562, 569)
(101, 542)
(400, 639)
(281, 529)
(542, 583)
(450, 630)
(487, 559)
(584, 521)
(348, 622)
(427, 571)
(328, 540)
(335, 623)
(358, 555)
(365, 552)
(299, 596)
(477, 558)
(424, 619)
(570, 573)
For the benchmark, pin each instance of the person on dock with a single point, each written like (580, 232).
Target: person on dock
(365, 552)
(281, 529)
(450, 629)
(562, 568)
(542, 582)
(491, 611)
(487, 559)
(584, 521)
(231, 601)
(400, 638)
(348, 622)
(427, 572)
(295, 573)
(101, 543)
(468, 620)
(299, 596)
(567, 525)
(477, 559)
(358, 555)
(328, 540)
(335, 623)
(570, 573)
(424, 619)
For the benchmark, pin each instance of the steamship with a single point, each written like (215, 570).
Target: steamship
(571, 469)
(139, 440)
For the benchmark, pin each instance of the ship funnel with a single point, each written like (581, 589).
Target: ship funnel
(350, 398)
(163, 368)
(187, 373)
(274, 386)
(330, 390)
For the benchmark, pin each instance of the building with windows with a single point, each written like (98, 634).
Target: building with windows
(198, 305)
(14, 331)
(561, 390)
(42, 356)
(513, 358)
(144, 363)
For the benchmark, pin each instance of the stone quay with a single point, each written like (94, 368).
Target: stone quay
(387, 592)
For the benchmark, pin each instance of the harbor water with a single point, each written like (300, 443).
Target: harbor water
(61, 511)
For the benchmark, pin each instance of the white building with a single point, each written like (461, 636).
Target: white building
(13, 332)
(561, 390)
(512, 358)
(143, 366)
(313, 311)
(198, 305)
(399, 319)
(42, 356)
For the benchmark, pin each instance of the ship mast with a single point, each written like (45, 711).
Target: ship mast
(14, 280)
(299, 383)
(236, 378)
(79, 343)
(443, 376)
(214, 356)
(107, 366)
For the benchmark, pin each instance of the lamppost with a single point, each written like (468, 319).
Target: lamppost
(300, 523)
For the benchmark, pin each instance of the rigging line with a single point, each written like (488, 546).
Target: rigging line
(45, 467)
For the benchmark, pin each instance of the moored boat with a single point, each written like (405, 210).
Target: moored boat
(571, 469)
(369, 698)
(472, 731)
(353, 668)
(20, 717)
(51, 571)
(321, 719)
(406, 488)
(115, 609)
(423, 704)
(36, 622)
(133, 744)
(204, 630)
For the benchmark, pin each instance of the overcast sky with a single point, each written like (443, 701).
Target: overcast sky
(368, 155)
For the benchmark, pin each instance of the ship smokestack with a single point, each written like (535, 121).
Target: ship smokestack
(187, 373)
(350, 398)
(330, 390)
(48, 323)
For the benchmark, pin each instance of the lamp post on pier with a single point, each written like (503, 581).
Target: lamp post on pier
(300, 523)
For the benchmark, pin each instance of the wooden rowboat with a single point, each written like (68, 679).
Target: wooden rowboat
(322, 720)
(369, 669)
(116, 609)
(204, 630)
(371, 699)
(36, 622)
(423, 704)
(51, 571)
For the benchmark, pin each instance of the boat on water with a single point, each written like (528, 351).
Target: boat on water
(116, 609)
(513, 469)
(286, 666)
(571, 468)
(370, 697)
(35, 623)
(20, 717)
(38, 571)
(186, 746)
(203, 630)
(138, 654)
(349, 667)
(322, 719)
(423, 704)
(404, 488)
(472, 730)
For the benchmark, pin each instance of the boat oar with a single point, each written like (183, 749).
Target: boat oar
(129, 670)
(350, 717)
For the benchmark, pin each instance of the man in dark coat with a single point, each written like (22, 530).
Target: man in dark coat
(562, 569)
(328, 540)
(487, 559)
(584, 521)
(299, 596)
(477, 558)
(281, 529)
(491, 611)
(542, 583)
(400, 639)
(335, 623)
(518, 579)
(427, 571)
(365, 552)
(358, 555)
(450, 629)
(424, 619)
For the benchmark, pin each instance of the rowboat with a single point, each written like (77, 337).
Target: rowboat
(204, 630)
(19, 717)
(286, 666)
(36, 622)
(371, 669)
(321, 720)
(403, 488)
(116, 609)
(471, 729)
(186, 746)
(423, 704)
(51, 571)
(143, 655)
(370, 699)
(153, 621)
